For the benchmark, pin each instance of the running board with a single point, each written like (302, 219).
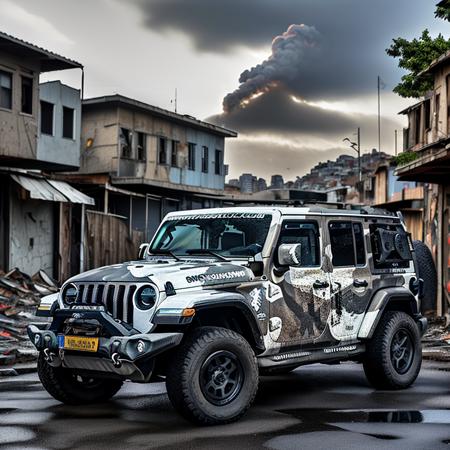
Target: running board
(300, 357)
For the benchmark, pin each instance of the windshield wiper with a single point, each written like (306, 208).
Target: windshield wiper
(205, 251)
(163, 251)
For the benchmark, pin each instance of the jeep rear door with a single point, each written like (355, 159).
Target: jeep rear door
(350, 277)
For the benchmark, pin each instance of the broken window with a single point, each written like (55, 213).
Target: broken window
(347, 244)
(437, 107)
(46, 118)
(162, 150)
(141, 148)
(427, 116)
(191, 156)
(5, 90)
(205, 157)
(68, 122)
(125, 143)
(218, 162)
(27, 95)
(174, 154)
(417, 126)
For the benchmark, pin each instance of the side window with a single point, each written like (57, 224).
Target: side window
(347, 244)
(304, 233)
(360, 249)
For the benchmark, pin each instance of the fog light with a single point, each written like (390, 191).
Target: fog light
(140, 347)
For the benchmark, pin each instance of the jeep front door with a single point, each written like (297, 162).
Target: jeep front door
(300, 308)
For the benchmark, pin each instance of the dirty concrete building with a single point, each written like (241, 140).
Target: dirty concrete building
(427, 139)
(33, 142)
(140, 162)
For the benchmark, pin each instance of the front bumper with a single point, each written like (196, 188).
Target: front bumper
(127, 353)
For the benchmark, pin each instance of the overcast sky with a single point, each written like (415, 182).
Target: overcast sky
(293, 77)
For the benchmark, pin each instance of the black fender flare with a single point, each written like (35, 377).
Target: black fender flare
(244, 308)
(380, 301)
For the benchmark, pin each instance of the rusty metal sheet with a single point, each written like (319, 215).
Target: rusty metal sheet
(39, 188)
(74, 195)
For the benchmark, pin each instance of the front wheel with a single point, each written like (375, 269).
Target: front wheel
(394, 355)
(73, 389)
(213, 377)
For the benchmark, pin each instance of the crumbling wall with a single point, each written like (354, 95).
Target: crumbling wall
(32, 235)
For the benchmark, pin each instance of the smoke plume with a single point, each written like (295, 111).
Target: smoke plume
(290, 52)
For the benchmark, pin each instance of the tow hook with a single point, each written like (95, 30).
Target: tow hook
(116, 360)
(48, 355)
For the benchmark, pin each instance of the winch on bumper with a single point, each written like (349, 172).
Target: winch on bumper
(126, 353)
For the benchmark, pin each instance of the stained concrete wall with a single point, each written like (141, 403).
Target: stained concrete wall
(102, 124)
(55, 148)
(18, 131)
(31, 235)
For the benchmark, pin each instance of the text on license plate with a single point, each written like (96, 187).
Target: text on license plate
(81, 343)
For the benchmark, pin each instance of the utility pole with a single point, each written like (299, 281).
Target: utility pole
(359, 153)
(379, 115)
(395, 143)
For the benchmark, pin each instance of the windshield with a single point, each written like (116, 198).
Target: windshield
(226, 234)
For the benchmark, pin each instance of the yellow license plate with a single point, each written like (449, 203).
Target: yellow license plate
(81, 343)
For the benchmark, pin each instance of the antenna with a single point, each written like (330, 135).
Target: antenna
(175, 100)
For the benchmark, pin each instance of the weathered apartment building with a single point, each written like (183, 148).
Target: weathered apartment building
(140, 162)
(39, 134)
(428, 137)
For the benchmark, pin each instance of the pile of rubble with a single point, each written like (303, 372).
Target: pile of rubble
(19, 296)
(436, 342)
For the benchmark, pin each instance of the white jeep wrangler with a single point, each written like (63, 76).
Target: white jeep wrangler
(222, 296)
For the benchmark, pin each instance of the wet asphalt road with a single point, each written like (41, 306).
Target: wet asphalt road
(315, 407)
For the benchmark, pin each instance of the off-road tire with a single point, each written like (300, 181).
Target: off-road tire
(63, 385)
(378, 365)
(184, 376)
(427, 271)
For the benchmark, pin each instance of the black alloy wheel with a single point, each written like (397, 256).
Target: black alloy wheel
(221, 377)
(402, 351)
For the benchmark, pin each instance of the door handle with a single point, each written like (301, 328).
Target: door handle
(320, 284)
(360, 283)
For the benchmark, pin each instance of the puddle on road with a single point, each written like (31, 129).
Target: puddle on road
(434, 416)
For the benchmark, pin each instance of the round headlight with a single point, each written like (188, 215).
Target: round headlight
(146, 297)
(70, 294)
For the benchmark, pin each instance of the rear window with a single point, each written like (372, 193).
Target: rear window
(347, 243)
(390, 246)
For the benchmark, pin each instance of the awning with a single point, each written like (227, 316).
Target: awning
(50, 190)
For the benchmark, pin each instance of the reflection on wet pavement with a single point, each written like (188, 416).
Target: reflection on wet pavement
(314, 407)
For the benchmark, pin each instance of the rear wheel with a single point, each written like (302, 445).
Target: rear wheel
(394, 355)
(213, 377)
(426, 271)
(68, 387)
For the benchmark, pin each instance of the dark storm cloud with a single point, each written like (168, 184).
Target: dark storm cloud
(290, 52)
(276, 113)
(355, 34)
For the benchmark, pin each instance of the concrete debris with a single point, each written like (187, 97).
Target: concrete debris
(19, 296)
(436, 343)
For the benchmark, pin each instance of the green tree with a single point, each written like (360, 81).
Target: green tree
(416, 55)
(443, 10)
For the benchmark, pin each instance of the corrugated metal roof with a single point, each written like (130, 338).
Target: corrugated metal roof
(50, 60)
(39, 189)
(71, 193)
(51, 190)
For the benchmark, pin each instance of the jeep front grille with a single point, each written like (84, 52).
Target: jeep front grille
(116, 297)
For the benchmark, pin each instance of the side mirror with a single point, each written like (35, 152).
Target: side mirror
(142, 251)
(290, 254)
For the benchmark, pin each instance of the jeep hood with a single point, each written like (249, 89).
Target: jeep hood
(182, 274)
